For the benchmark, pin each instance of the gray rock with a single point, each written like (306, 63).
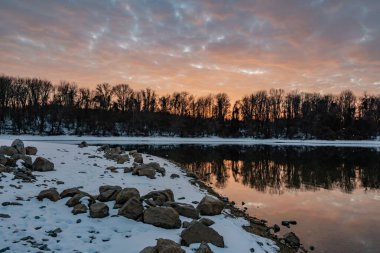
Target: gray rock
(70, 192)
(132, 209)
(173, 176)
(99, 210)
(165, 217)
(83, 144)
(77, 198)
(292, 239)
(50, 194)
(197, 233)
(3, 159)
(203, 248)
(207, 222)
(19, 146)
(29, 150)
(108, 192)
(160, 197)
(125, 194)
(164, 246)
(183, 209)
(79, 208)
(137, 158)
(210, 206)
(5, 150)
(122, 159)
(42, 164)
(27, 159)
(4, 216)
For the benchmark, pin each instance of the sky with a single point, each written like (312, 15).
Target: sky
(201, 47)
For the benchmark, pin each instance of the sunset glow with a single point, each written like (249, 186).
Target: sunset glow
(201, 47)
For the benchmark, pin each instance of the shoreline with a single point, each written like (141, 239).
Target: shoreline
(124, 140)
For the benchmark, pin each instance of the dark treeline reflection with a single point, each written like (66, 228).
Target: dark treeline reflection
(273, 169)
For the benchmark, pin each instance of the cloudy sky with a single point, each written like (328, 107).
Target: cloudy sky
(197, 46)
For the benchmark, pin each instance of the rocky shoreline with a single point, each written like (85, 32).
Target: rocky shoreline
(157, 208)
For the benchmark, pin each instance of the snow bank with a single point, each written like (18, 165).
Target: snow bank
(110, 234)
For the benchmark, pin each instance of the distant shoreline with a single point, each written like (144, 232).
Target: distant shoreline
(157, 140)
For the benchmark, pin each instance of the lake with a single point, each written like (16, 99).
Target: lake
(333, 193)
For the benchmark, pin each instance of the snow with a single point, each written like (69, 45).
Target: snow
(110, 234)
(72, 139)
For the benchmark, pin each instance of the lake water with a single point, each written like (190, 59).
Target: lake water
(333, 193)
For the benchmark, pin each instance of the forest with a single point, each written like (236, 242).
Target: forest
(37, 106)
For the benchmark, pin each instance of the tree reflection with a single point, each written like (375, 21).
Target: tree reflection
(274, 168)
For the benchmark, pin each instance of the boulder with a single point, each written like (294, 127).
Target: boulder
(27, 159)
(29, 150)
(183, 209)
(77, 199)
(3, 160)
(99, 210)
(50, 194)
(137, 158)
(173, 176)
(19, 146)
(83, 144)
(132, 209)
(165, 217)
(79, 208)
(164, 246)
(126, 194)
(108, 192)
(207, 222)
(203, 248)
(42, 164)
(70, 192)
(5, 150)
(197, 233)
(292, 239)
(210, 206)
(160, 197)
(122, 159)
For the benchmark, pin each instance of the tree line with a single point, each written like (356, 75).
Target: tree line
(36, 106)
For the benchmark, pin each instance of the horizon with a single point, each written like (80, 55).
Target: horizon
(202, 47)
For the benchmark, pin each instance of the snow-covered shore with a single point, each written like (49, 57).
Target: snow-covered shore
(72, 139)
(75, 168)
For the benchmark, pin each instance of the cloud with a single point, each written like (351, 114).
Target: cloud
(170, 45)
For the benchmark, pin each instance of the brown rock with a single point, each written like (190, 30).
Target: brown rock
(210, 206)
(99, 210)
(165, 217)
(197, 233)
(50, 194)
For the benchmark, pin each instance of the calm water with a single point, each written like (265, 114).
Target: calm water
(333, 193)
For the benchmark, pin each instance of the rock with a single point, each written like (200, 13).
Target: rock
(29, 150)
(50, 194)
(276, 228)
(3, 159)
(70, 192)
(207, 222)
(197, 233)
(149, 249)
(160, 197)
(9, 151)
(173, 176)
(132, 152)
(25, 175)
(292, 239)
(148, 172)
(99, 210)
(203, 248)
(4, 216)
(122, 159)
(168, 246)
(210, 206)
(83, 144)
(19, 146)
(77, 198)
(165, 217)
(137, 158)
(132, 209)
(128, 170)
(185, 224)
(183, 209)
(42, 164)
(126, 194)
(79, 208)
(27, 159)
(108, 192)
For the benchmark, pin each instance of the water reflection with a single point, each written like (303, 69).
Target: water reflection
(273, 169)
